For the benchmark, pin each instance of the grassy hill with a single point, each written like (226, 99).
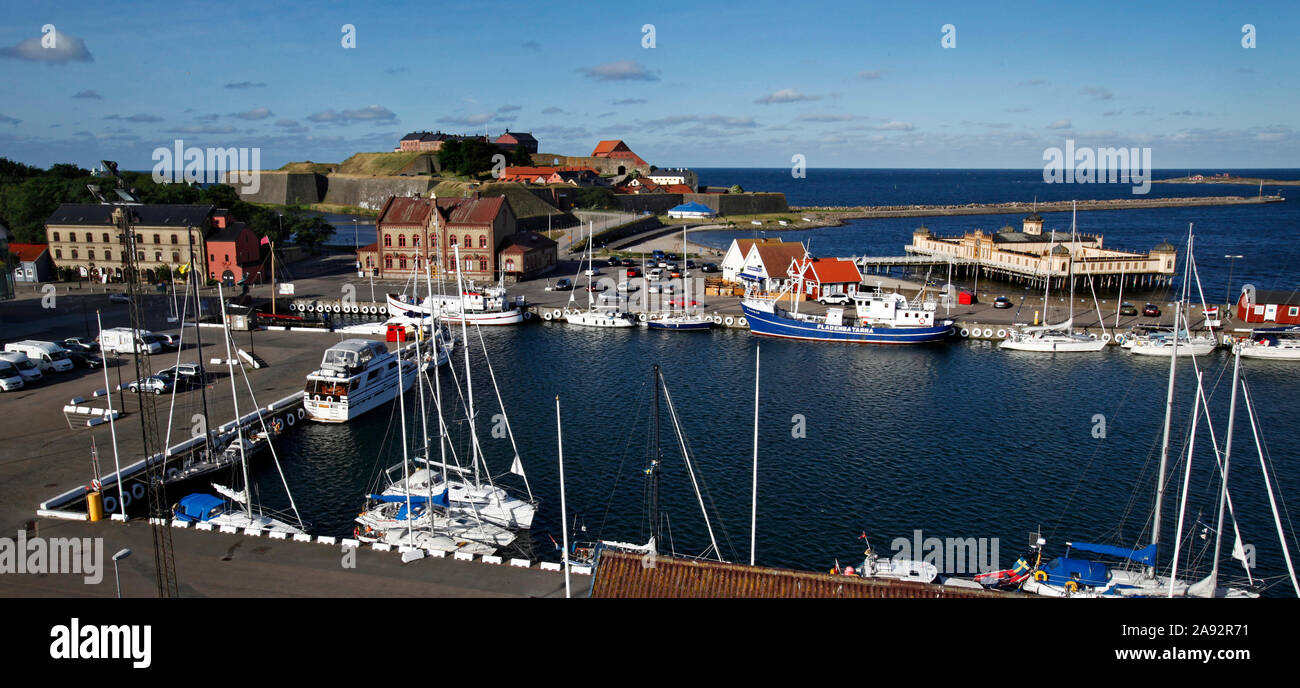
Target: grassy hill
(361, 164)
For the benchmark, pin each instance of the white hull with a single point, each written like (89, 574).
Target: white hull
(376, 393)
(1199, 346)
(486, 502)
(597, 318)
(241, 520)
(1053, 343)
(1274, 353)
(898, 569)
(449, 313)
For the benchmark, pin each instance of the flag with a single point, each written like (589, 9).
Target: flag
(184, 269)
(517, 467)
(266, 241)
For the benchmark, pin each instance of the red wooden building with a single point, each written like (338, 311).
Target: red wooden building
(1263, 306)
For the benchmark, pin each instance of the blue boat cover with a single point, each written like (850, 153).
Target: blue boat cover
(438, 500)
(1082, 571)
(198, 507)
(1146, 555)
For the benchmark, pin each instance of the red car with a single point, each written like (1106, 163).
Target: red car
(634, 272)
(1151, 310)
(680, 303)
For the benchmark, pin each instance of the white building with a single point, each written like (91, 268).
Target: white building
(676, 175)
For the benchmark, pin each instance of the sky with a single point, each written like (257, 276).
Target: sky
(753, 84)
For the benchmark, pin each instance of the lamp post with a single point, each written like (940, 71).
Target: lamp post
(1232, 261)
(122, 554)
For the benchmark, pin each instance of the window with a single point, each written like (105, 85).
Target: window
(402, 263)
(1259, 310)
(370, 262)
(58, 252)
(72, 236)
(157, 256)
(176, 239)
(157, 239)
(74, 254)
(388, 262)
(56, 236)
(401, 241)
(90, 254)
(176, 257)
(1294, 311)
(482, 241)
(388, 241)
(469, 241)
(106, 237)
(108, 255)
(482, 265)
(451, 240)
(227, 258)
(139, 255)
(212, 257)
(415, 241)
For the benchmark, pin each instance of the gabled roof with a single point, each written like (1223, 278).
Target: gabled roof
(151, 215)
(470, 211)
(28, 253)
(230, 232)
(372, 248)
(518, 136)
(522, 242)
(830, 271)
(606, 147)
(776, 258)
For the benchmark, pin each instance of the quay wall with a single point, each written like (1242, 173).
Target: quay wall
(1015, 208)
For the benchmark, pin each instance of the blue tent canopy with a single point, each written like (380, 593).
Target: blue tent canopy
(693, 207)
(198, 507)
(1084, 572)
(1146, 555)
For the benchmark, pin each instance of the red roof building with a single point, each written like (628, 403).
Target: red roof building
(234, 252)
(825, 276)
(517, 139)
(33, 262)
(617, 150)
(1264, 306)
(414, 233)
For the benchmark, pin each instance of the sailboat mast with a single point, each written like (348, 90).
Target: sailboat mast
(234, 398)
(198, 342)
(112, 428)
(1074, 213)
(753, 511)
(1227, 457)
(1169, 409)
(655, 458)
(469, 381)
(564, 511)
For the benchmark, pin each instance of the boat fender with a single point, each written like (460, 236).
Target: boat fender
(729, 321)
(558, 314)
(1092, 336)
(316, 397)
(1040, 576)
(1119, 339)
(173, 472)
(988, 332)
(1106, 337)
(1071, 586)
(1002, 334)
(126, 499)
(110, 504)
(528, 315)
(546, 315)
(338, 308)
(289, 419)
(137, 491)
(965, 332)
(329, 399)
(742, 321)
(717, 320)
(642, 317)
(301, 412)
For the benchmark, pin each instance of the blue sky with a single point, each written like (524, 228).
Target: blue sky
(848, 84)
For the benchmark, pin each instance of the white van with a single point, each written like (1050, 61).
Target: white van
(122, 340)
(46, 355)
(26, 369)
(10, 378)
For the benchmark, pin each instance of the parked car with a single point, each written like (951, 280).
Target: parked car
(189, 374)
(1127, 308)
(85, 359)
(627, 263)
(153, 383)
(626, 287)
(1002, 302)
(655, 274)
(710, 267)
(654, 288)
(564, 284)
(690, 265)
(48, 356)
(634, 272)
(613, 262)
(10, 378)
(27, 370)
(837, 299)
(1151, 310)
(119, 298)
(74, 343)
(591, 272)
(595, 287)
(169, 341)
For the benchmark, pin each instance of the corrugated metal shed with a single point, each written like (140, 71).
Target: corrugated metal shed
(622, 575)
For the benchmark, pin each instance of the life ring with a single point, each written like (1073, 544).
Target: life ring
(289, 419)
(173, 472)
(965, 332)
(528, 315)
(110, 504)
(1106, 337)
(717, 320)
(742, 321)
(301, 412)
(1071, 586)
(277, 425)
(1002, 334)
(1120, 339)
(642, 317)
(1040, 576)
(546, 315)
(338, 308)
(1092, 336)
(729, 321)
(557, 313)
(137, 491)
(988, 332)
(126, 499)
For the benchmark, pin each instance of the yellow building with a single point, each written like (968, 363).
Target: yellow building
(83, 236)
(1032, 253)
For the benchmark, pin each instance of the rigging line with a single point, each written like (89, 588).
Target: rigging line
(618, 474)
(1254, 426)
(1280, 495)
(505, 416)
(180, 346)
(690, 469)
(726, 536)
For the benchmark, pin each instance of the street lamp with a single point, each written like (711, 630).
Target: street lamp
(1232, 261)
(122, 554)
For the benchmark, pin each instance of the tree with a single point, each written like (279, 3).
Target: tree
(595, 197)
(735, 188)
(520, 156)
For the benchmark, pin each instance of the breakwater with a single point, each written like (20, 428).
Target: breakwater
(860, 212)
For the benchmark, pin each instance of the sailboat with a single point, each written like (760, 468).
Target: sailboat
(681, 320)
(595, 316)
(468, 494)
(1177, 341)
(1276, 344)
(236, 509)
(588, 553)
(1059, 338)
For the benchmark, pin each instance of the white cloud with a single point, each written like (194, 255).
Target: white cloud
(66, 48)
(1060, 124)
(785, 95)
(622, 70)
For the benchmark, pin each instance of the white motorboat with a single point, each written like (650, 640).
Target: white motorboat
(478, 305)
(356, 375)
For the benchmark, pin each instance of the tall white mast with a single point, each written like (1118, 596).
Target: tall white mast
(753, 511)
(469, 381)
(234, 397)
(112, 428)
(1169, 409)
(1213, 580)
(1187, 483)
(564, 512)
(1268, 485)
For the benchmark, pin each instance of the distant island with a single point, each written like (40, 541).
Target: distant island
(1225, 178)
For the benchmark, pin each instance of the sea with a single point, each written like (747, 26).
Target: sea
(858, 444)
